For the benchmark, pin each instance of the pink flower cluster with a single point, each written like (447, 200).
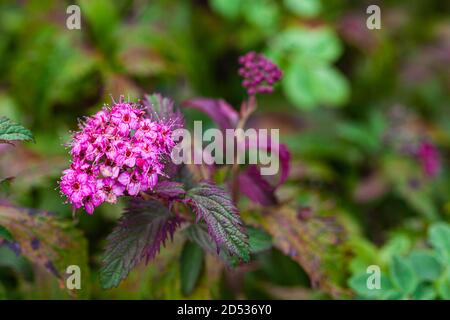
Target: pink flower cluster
(259, 73)
(118, 151)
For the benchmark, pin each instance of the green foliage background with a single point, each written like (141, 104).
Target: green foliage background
(349, 100)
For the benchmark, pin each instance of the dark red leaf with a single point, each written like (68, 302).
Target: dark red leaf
(255, 187)
(217, 109)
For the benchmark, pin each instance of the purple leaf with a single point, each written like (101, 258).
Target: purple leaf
(217, 109)
(284, 155)
(285, 160)
(140, 232)
(169, 189)
(255, 187)
(214, 205)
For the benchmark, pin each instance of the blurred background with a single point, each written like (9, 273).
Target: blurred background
(365, 114)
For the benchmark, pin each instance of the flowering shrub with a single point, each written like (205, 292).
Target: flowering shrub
(125, 150)
(360, 177)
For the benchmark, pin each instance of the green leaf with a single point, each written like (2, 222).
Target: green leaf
(365, 254)
(258, 240)
(5, 234)
(402, 275)
(439, 237)
(140, 232)
(443, 287)
(424, 292)
(308, 85)
(212, 204)
(10, 131)
(298, 85)
(198, 233)
(5, 185)
(355, 133)
(310, 79)
(425, 265)
(368, 135)
(394, 295)
(261, 13)
(358, 283)
(48, 242)
(331, 88)
(398, 171)
(10, 259)
(314, 243)
(397, 245)
(103, 20)
(161, 279)
(191, 261)
(304, 8)
(316, 46)
(62, 73)
(228, 8)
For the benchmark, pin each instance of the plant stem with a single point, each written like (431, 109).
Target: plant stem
(247, 108)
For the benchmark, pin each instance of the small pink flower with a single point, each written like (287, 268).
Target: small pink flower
(111, 131)
(110, 150)
(165, 137)
(108, 190)
(80, 143)
(150, 180)
(146, 129)
(108, 169)
(76, 185)
(124, 178)
(147, 150)
(127, 156)
(125, 118)
(132, 182)
(100, 118)
(89, 205)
